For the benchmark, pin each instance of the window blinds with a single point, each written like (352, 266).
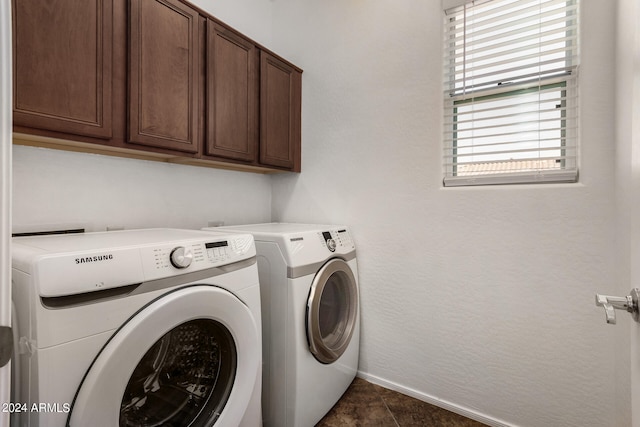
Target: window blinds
(510, 92)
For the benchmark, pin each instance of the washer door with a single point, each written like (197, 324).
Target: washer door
(186, 359)
(332, 311)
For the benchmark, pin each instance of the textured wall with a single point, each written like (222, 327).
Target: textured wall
(253, 18)
(479, 298)
(59, 187)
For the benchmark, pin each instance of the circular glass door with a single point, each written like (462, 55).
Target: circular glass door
(191, 357)
(332, 311)
(184, 379)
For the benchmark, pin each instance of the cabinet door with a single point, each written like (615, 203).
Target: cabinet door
(164, 61)
(280, 121)
(232, 95)
(62, 68)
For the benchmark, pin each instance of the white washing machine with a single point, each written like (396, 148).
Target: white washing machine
(310, 318)
(155, 327)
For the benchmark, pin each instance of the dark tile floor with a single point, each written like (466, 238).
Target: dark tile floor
(366, 404)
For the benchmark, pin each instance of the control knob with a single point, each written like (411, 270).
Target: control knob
(181, 257)
(331, 245)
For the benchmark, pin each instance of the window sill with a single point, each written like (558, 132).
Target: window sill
(545, 177)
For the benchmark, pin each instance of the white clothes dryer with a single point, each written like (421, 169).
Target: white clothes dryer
(310, 318)
(155, 327)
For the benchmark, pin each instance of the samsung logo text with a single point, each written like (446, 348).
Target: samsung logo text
(94, 258)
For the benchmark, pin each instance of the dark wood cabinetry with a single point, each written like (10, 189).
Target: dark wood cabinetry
(232, 95)
(62, 66)
(164, 64)
(280, 94)
(159, 79)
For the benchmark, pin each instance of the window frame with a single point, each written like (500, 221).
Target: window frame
(456, 95)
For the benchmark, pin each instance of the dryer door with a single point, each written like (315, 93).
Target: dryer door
(188, 358)
(332, 311)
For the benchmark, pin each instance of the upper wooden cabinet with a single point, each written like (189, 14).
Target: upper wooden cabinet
(232, 95)
(154, 78)
(164, 63)
(280, 97)
(62, 66)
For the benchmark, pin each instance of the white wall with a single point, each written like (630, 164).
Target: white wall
(253, 18)
(59, 187)
(481, 298)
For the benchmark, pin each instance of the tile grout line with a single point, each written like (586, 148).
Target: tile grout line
(388, 409)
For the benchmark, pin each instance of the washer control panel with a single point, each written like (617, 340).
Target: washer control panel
(164, 261)
(79, 263)
(181, 257)
(220, 251)
(170, 258)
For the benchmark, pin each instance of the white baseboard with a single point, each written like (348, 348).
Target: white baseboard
(449, 406)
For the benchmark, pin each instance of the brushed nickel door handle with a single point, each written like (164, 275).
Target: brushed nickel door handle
(610, 304)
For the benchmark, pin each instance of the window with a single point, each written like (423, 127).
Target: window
(510, 95)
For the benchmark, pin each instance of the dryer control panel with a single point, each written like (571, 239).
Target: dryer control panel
(310, 247)
(334, 239)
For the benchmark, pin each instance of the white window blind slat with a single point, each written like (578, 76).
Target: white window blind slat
(522, 82)
(512, 49)
(509, 130)
(512, 25)
(540, 153)
(552, 37)
(515, 12)
(510, 92)
(489, 12)
(544, 142)
(460, 122)
(508, 75)
(550, 94)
